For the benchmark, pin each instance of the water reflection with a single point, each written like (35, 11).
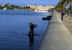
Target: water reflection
(31, 42)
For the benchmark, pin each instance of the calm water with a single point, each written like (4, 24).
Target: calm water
(14, 29)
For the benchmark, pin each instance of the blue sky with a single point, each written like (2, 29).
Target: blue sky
(26, 2)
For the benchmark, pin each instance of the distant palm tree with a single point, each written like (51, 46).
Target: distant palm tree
(62, 4)
(67, 2)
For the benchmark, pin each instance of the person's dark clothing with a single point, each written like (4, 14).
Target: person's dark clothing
(62, 16)
(31, 33)
(32, 27)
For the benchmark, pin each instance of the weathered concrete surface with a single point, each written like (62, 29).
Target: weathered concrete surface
(57, 36)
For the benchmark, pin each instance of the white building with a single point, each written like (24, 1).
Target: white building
(39, 7)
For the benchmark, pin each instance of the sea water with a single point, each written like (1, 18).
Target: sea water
(14, 29)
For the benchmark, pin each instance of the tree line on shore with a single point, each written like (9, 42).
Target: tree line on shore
(12, 7)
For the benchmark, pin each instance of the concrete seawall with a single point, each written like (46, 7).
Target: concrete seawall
(57, 36)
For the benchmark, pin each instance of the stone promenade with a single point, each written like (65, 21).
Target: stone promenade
(57, 36)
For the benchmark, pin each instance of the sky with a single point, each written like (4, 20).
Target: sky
(27, 2)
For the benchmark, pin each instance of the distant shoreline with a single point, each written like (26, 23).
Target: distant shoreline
(29, 7)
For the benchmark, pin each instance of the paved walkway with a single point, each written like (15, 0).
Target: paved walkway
(57, 36)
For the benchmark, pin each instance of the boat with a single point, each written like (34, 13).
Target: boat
(47, 18)
(37, 10)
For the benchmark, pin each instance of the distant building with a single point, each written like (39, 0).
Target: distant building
(39, 7)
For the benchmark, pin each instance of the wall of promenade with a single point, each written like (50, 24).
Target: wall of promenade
(57, 36)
